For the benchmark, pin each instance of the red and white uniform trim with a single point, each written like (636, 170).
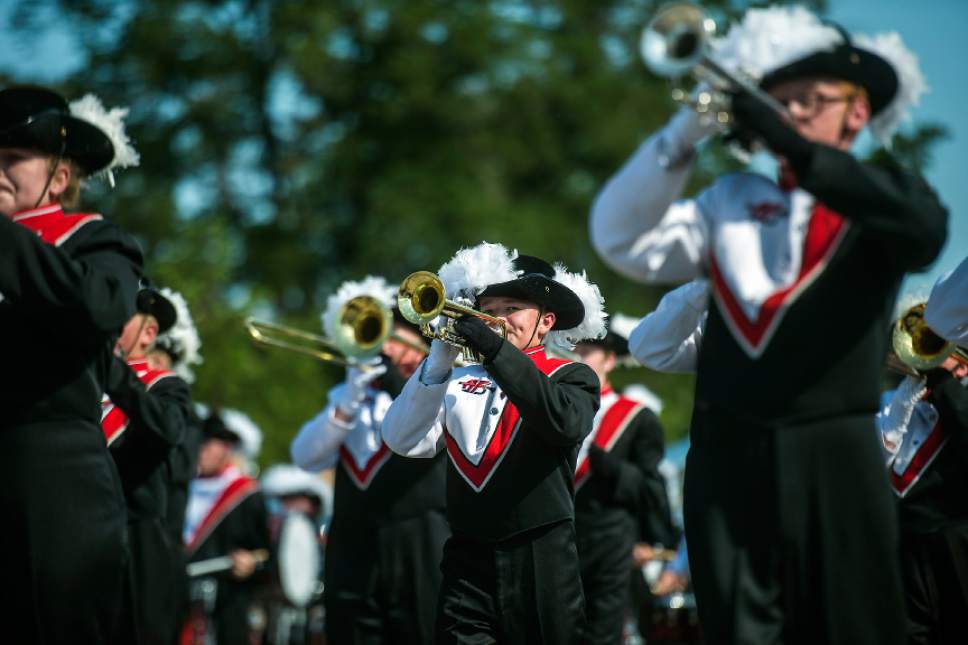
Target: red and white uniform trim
(611, 422)
(52, 225)
(114, 421)
(211, 500)
(920, 446)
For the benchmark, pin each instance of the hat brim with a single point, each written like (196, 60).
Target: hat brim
(848, 63)
(82, 142)
(611, 342)
(153, 302)
(545, 292)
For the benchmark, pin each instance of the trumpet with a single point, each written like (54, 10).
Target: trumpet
(916, 345)
(422, 298)
(364, 325)
(676, 43)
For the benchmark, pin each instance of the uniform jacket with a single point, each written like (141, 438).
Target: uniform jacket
(511, 428)
(802, 275)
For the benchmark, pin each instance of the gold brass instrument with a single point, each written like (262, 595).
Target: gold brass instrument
(917, 347)
(676, 43)
(422, 298)
(364, 325)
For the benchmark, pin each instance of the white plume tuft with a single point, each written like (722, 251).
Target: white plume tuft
(182, 339)
(622, 325)
(593, 325)
(642, 394)
(286, 479)
(770, 38)
(908, 299)
(373, 286)
(911, 82)
(472, 269)
(249, 434)
(111, 123)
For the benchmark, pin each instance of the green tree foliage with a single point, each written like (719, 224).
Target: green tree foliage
(287, 146)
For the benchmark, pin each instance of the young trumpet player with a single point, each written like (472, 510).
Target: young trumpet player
(382, 570)
(511, 427)
(785, 500)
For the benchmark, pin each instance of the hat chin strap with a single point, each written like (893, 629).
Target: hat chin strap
(53, 171)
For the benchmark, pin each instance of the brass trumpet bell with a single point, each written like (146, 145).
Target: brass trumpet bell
(422, 298)
(917, 346)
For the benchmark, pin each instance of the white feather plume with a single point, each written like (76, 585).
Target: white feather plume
(182, 339)
(622, 325)
(472, 269)
(373, 286)
(773, 37)
(286, 479)
(642, 394)
(911, 82)
(111, 123)
(250, 437)
(908, 299)
(593, 325)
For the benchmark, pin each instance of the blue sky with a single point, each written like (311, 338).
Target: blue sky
(933, 29)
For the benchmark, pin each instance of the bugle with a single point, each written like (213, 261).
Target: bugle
(422, 298)
(676, 43)
(918, 347)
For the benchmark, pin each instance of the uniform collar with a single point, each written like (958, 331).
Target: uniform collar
(49, 209)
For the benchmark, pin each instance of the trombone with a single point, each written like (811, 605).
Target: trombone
(917, 347)
(422, 298)
(364, 325)
(676, 43)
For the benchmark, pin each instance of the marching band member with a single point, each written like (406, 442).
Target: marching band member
(512, 427)
(226, 515)
(145, 415)
(382, 570)
(67, 287)
(618, 490)
(924, 431)
(785, 502)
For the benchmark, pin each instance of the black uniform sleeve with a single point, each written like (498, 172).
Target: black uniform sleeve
(897, 206)
(157, 420)
(88, 286)
(560, 409)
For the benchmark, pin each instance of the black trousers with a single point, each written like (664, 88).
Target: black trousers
(525, 589)
(935, 569)
(63, 536)
(605, 554)
(384, 588)
(792, 533)
(153, 575)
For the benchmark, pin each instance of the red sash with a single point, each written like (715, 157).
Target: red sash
(614, 422)
(113, 419)
(52, 225)
(231, 496)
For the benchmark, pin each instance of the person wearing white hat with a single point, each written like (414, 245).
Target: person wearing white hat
(511, 427)
(67, 287)
(620, 496)
(226, 516)
(785, 499)
(386, 537)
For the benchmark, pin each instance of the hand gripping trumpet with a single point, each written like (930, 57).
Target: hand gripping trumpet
(422, 298)
(676, 43)
(364, 325)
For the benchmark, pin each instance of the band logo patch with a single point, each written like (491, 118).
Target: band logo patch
(766, 212)
(476, 385)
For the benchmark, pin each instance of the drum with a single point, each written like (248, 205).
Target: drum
(673, 620)
(298, 559)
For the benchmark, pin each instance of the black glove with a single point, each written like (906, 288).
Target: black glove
(603, 464)
(481, 338)
(754, 116)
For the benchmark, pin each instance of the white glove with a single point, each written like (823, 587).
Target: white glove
(439, 363)
(894, 425)
(684, 131)
(358, 379)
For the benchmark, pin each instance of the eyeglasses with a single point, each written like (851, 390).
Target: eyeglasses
(812, 103)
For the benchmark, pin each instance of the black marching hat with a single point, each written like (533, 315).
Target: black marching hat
(214, 428)
(37, 118)
(153, 302)
(612, 342)
(537, 284)
(846, 62)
